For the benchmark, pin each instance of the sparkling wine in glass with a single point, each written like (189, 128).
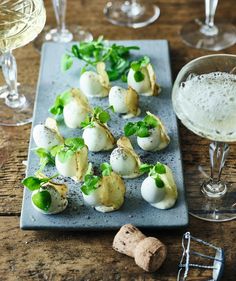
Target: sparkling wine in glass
(131, 13)
(204, 99)
(208, 35)
(62, 34)
(20, 22)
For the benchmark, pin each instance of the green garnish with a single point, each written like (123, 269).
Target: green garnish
(106, 169)
(98, 114)
(68, 149)
(115, 56)
(60, 102)
(34, 183)
(154, 171)
(42, 200)
(141, 128)
(91, 183)
(45, 157)
(137, 67)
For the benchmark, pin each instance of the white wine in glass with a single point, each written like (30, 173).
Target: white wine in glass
(208, 35)
(20, 22)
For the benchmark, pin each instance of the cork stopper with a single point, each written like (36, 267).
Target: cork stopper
(148, 252)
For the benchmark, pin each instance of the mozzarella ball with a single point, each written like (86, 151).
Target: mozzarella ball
(44, 137)
(58, 203)
(68, 168)
(117, 99)
(122, 163)
(142, 87)
(96, 138)
(91, 86)
(150, 192)
(93, 199)
(152, 142)
(74, 114)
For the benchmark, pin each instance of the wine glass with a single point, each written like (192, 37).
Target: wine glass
(204, 100)
(207, 35)
(131, 13)
(61, 34)
(20, 22)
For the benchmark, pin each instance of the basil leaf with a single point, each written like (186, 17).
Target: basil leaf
(145, 168)
(138, 76)
(160, 168)
(66, 62)
(159, 182)
(42, 200)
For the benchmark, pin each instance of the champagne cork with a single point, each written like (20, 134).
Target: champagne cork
(148, 252)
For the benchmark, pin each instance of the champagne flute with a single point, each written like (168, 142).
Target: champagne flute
(131, 13)
(20, 22)
(61, 34)
(207, 35)
(204, 100)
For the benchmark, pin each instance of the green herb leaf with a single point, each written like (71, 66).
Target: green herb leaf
(91, 183)
(130, 129)
(45, 157)
(143, 132)
(42, 200)
(160, 168)
(64, 155)
(106, 169)
(138, 76)
(55, 149)
(145, 168)
(159, 182)
(150, 121)
(66, 62)
(75, 144)
(60, 102)
(104, 117)
(34, 183)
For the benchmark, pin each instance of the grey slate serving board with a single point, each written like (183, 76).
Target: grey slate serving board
(135, 210)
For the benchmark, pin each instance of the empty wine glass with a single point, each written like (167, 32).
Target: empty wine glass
(62, 34)
(20, 22)
(204, 100)
(132, 13)
(207, 35)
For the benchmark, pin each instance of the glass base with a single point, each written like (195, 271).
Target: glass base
(21, 112)
(197, 35)
(74, 32)
(209, 202)
(131, 14)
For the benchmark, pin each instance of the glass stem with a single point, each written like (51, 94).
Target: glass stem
(60, 13)
(9, 69)
(218, 154)
(210, 10)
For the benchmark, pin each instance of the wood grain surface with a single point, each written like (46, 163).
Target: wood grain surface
(88, 256)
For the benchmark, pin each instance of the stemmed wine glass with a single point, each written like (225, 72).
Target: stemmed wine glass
(207, 35)
(21, 21)
(61, 34)
(204, 100)
(131, 13)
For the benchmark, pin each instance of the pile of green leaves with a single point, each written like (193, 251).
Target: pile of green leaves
(137, 66)
(68, 149)
(115, 56)
(91, 182)
(141, 128)
(41, 199)
(154, 171)
(98, 114)
(60, 101)
(45, 157)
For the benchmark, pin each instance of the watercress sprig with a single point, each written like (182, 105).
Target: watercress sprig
(91, 183)
(141, 128)
(45, 157)
(106, 169)
(66, 150)
(114, 55)
(154, 171)
(59, 103)
(98, 114)
(137, 67)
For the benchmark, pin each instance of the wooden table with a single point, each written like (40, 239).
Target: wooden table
(35, 255)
